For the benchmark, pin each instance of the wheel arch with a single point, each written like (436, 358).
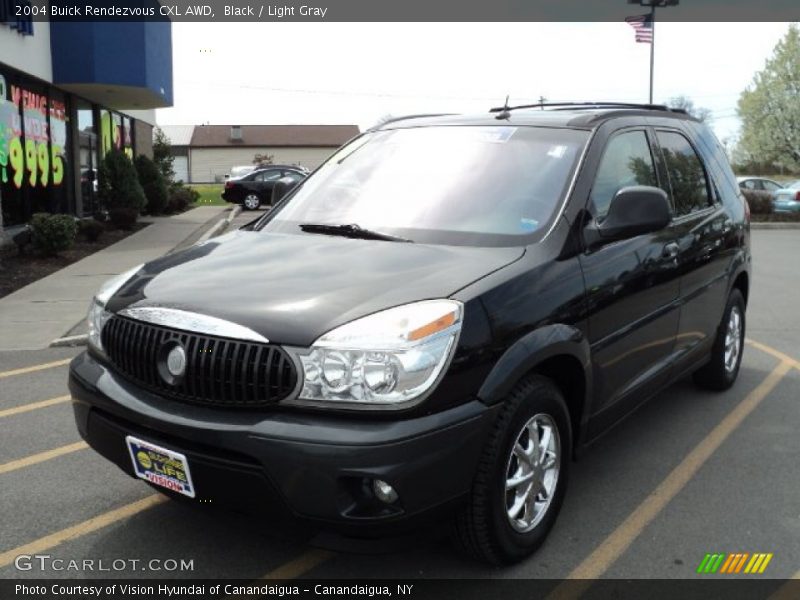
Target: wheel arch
(559, 352)
(742, 283)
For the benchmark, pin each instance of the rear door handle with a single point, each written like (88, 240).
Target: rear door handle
(671, 250)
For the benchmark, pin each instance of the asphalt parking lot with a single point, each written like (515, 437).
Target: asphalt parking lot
(690, 473)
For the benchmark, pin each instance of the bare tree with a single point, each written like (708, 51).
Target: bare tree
(687, 104)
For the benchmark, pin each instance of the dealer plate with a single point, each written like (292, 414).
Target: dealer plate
(160, 466)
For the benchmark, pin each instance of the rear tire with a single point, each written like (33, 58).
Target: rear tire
(726, 354)
(505, 521)
(251, 202)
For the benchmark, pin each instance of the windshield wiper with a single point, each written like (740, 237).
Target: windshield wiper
(351, 231)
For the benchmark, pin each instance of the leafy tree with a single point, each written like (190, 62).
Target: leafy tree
(162, 155)
(153, 184)
(687, 104)
(770, 107)
(119, 190)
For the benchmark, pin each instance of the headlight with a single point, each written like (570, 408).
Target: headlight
(388, 359)
(98, 315)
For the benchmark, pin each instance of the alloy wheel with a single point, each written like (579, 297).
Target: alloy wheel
(733, 339)
(532, 473)
(252, 202)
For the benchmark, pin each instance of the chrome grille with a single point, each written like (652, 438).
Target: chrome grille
(219, 371)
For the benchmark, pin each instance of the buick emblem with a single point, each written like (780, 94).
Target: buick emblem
(176, 361)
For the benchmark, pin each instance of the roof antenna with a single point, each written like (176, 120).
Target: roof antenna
(505, 112)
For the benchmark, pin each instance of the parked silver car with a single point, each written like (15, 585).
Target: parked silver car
(759, 184)
(787, 199)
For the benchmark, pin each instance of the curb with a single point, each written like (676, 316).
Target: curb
(213, 231)
(70, 341)
(773, 225)
(234, 213)
(220, 226)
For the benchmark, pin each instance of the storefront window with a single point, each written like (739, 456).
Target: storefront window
(59, 146)
(89, 156)
(110, 130)
(127, 137)
(12, 152)
(34, 147)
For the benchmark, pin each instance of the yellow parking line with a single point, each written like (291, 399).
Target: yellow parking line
(22, 371)
(300, 565)
(34, 459)
(70, 533)
(601, 559)
(774, 352)
(33, 406)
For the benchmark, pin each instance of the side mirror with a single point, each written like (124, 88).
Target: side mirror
(633, 211)
(282, 186)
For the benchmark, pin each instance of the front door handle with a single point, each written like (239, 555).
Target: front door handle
(671, 250)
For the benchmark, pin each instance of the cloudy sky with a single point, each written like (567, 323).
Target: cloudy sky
(246, 73)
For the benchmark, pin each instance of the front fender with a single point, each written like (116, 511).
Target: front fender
(533, 349)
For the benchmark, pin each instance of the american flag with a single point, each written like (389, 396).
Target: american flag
(643, 25)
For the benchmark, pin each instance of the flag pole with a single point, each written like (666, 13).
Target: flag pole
(652, 47)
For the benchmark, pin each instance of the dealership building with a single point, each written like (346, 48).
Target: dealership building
(69, 92)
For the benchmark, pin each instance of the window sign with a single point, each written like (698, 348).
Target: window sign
(33, 140)
(110, 131)
(127, 138)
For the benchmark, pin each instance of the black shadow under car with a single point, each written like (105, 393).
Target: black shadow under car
(431, 324)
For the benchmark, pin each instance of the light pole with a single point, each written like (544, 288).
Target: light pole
(653, 4)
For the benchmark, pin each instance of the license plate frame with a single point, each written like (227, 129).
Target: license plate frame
(160, 466)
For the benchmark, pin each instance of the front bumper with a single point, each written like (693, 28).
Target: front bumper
(317, 467)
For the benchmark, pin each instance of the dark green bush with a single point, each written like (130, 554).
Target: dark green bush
(760, 202)
(153, 184)
(91, 229)
(180, 199)
(118, 186)
(51, 234)
(123, 218)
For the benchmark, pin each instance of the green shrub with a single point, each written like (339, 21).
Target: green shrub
(760, 202)
(123, 218)
(118, 186)
(153, 184)
(180, 199)
(91, 229)
(51, 234)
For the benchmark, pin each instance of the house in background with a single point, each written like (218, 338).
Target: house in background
(180, 138)
(214, 149)
(69, 92)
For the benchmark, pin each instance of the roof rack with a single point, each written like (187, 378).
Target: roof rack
(569, 105)
(407, 117)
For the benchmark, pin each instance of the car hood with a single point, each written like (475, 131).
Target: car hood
(293, 288)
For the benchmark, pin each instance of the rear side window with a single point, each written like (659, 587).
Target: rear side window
(626, 161)
(268, 176)
(687, 176)
(749, 184)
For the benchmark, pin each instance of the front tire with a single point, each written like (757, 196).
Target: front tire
(726, 354)
(251, 202)
(521, 478)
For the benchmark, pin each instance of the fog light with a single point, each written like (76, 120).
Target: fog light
(383, 491)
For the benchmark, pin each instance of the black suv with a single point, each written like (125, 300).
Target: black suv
(430, 325)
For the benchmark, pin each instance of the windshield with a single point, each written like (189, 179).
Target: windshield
(496, 186)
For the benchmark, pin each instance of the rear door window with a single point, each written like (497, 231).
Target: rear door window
(687, 176)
